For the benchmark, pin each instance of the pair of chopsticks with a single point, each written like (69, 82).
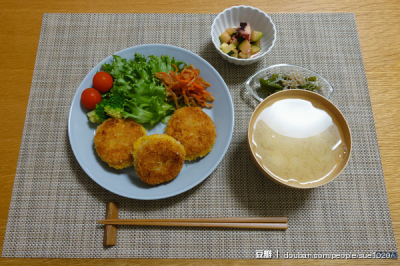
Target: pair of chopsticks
(247, 222)
(111, 222)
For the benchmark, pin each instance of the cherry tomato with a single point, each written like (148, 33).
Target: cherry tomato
(102, 81)
(90, 97)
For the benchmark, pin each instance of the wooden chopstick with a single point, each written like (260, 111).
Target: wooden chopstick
(204, 220)
(111, 221)
(250, 222)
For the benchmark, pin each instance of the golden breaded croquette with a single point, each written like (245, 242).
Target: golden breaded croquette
(158, 158)
(192, 127)
(114, 140)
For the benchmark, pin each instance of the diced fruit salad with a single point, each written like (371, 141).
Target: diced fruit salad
(241, 42)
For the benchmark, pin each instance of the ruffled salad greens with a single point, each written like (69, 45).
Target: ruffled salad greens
(136, 93)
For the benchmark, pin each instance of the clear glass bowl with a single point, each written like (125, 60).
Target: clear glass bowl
(254, 88)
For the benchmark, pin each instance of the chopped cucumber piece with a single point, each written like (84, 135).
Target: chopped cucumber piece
(231, 31)
(242, 55)
(256, 36)
(254, 49)
(235, 42)
(224, 37)
(245, 47)
(227, 48)
(223, 46)
(258, 43)
(235, 53)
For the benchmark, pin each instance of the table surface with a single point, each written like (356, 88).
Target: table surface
(378, 24)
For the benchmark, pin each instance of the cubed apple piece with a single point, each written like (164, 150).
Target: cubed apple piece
(224, 37)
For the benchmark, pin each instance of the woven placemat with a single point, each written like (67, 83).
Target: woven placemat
(55, 205)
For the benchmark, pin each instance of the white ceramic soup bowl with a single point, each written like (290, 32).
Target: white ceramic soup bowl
(299, 139)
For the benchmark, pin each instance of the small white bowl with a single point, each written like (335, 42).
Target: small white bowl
(259, 20)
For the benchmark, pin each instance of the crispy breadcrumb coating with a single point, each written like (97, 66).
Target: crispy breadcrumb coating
(158, 158)
(192, 127)
(114, 140)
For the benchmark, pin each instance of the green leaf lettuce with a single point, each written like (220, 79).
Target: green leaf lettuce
(136, 92)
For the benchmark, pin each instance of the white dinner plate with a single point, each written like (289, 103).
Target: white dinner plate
(125, 182)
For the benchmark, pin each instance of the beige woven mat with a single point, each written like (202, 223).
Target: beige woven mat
(55, 205)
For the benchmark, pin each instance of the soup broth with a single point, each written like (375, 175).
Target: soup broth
(298, 140)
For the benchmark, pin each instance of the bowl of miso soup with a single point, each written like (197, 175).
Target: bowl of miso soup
(299, 139)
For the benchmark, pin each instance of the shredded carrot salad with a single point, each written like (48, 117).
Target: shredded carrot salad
(186, 87)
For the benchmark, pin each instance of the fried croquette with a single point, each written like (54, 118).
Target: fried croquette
(192, 127)
(158, 158)
(114, 140)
